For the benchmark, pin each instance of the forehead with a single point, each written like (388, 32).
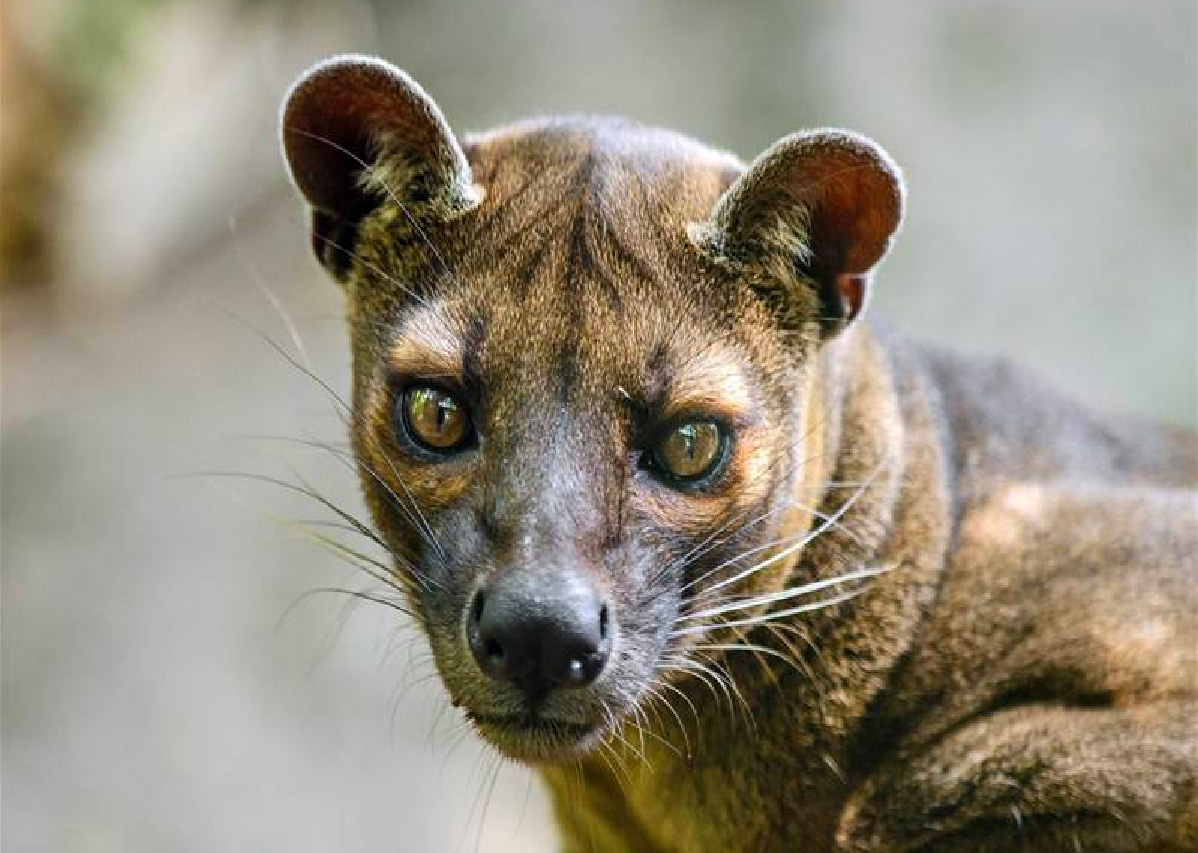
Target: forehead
(579, 254)
(619, 164)
(575, 276)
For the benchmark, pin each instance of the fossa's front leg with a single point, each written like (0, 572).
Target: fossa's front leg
(1040, 779)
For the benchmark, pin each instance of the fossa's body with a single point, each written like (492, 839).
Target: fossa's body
(1026, 682)
(735, 570)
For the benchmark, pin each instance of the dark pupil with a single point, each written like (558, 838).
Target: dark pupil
(689, 436)
(445, 410)
(690, 450)
(434, 417)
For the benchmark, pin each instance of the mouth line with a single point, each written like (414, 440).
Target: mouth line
(531, 723)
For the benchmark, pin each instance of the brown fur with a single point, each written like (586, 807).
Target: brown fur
(1021, 675)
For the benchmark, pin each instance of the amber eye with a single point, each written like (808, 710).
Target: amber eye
(690, 451)
(434, 419)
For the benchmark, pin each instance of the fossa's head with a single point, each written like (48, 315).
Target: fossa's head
(582, 356)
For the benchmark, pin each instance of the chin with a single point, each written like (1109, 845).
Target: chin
(536, 740)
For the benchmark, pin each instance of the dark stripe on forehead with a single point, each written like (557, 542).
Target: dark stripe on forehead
(520, 278)
(472, 344)
(627, 256)
(581, 259)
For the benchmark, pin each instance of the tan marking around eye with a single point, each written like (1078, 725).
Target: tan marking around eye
(429, 487)
(710, 383)
(746, 481)
(427, 347)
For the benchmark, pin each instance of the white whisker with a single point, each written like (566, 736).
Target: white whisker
(786, 594)
(767, 617)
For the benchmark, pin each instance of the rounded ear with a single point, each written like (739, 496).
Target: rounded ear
(356, 132)
(807, 222)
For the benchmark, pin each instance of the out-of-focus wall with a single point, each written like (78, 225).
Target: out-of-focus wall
(159, 691)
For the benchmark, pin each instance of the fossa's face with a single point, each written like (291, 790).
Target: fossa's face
(564, 426)
(580, 395)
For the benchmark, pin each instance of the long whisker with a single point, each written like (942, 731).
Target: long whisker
(344, 407)
(772, 615)
(347, 415)
(749, 647)
(360, 595)
(635, 722)
(482, 820)
(618, 770)
(377, 570)
(713, 540)
(275, 302)
(348, 459)
(614, 729)
(647, 729)
(803, 541)
(785, 594)
(819, 516)
(656, 695)
(708, 676)
(730, 685)
(323, 501)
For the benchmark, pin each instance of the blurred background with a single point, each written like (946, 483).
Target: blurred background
(168, 683)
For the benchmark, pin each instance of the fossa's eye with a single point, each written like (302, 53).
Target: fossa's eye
(434, 419)
(690, 451)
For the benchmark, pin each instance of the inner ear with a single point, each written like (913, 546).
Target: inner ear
(809, 220)
(357, 131)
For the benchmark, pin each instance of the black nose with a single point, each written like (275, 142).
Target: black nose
(540, 633)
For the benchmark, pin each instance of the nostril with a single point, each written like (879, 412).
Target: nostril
(603, 622)
(476, 611)
(484, 641)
